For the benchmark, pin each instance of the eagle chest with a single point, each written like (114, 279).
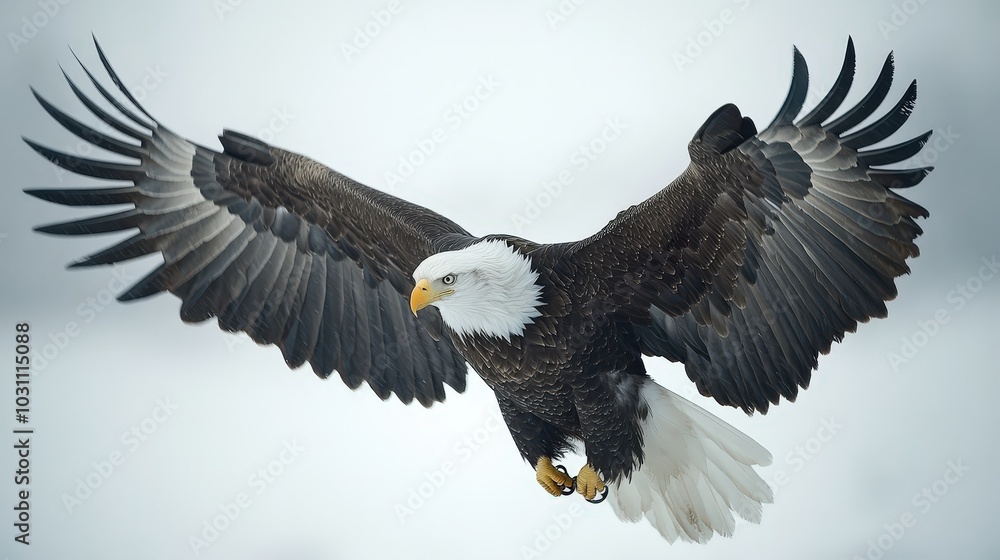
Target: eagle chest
(544, 364)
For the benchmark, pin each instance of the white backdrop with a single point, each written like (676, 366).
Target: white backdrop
(883, 456)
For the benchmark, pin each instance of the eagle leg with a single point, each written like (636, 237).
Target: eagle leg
(589, 483)
(554, 479)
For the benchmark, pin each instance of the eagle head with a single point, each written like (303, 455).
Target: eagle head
(486, 288)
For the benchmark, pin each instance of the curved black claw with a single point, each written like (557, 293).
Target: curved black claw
(604, 494)
(567, 490)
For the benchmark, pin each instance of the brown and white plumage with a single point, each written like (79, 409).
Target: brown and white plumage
(769, 247)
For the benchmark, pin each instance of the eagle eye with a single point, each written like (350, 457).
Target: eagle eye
(448, 280)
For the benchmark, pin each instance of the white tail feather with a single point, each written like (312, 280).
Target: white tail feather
(697, 471)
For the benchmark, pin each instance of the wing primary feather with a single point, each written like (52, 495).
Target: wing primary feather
(127, 219)
(101, 113)
(885, 126)
(796, 92)
(901, 178)
(895, 153)
(87, 133)
(112, 99)
(88, 197)
(133, 247)
(89, 167)
(152, 283)
(868, 104)
(121, 86)
(829, 104)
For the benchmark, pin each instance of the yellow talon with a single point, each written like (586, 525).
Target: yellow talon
(588, 482)
(552, 479)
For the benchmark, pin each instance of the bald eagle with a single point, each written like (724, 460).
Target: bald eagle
(769, 247)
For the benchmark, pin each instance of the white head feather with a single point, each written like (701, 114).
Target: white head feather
(494, 293)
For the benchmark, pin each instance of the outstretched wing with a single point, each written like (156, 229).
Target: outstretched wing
(769, 246)
(270, 242)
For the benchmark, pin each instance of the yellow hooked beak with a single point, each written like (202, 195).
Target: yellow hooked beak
(423, 295)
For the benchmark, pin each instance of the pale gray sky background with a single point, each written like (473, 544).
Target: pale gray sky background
(852, 458)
